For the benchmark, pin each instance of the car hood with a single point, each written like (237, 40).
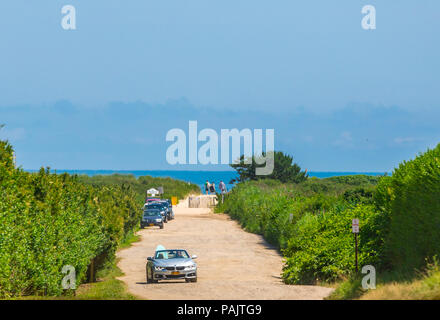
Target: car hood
(173, 262)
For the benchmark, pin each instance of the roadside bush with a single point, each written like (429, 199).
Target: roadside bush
(49, 221)
(272, 209)
(140, 185)
(411, 198)
(312, 228)
(322, 246)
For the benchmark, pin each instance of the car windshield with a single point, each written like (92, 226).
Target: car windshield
(151, 213)
(156, 206)
(171, 254)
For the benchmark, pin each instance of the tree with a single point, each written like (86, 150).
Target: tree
(284, 169)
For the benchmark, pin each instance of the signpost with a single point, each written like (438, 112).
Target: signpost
(355, 230)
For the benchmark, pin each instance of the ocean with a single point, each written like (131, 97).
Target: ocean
(199, 177)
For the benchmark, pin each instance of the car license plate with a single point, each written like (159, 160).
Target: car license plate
(175, 272)
(151, 224)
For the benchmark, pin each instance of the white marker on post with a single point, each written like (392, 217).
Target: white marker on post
(355, 226)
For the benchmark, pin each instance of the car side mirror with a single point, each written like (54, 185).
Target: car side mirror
(194, 257)
(150, 259)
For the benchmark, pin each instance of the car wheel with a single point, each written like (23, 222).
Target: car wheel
(187, 280)
(194, 280)
(148, 279)
(152, 277)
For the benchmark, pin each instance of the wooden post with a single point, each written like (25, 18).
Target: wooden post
(355, 230)
(92, 270)
(356, 251)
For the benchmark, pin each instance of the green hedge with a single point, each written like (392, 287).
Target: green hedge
(399, 219)
(411, 198)
(322, 246)
(312, 227)
(49, 221)
(172, 187)
(271, 212)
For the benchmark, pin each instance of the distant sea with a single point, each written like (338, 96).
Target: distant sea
(199, 177)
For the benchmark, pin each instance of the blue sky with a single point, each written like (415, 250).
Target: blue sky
(103, 96)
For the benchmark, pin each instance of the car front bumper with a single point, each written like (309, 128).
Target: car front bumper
(176, 274)
(151, 223)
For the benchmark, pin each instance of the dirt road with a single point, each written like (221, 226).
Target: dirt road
(232, 264)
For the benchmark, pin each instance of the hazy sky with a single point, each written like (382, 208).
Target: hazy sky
(339, 97)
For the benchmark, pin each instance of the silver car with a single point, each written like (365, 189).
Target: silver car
(170, 265)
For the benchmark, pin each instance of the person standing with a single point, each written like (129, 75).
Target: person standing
(222, 187)
(207, 185)
(223, 190)
(212, 188)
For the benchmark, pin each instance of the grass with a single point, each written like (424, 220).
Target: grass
(394, 286)
(129, 239)
(347, 289)
(107, 288)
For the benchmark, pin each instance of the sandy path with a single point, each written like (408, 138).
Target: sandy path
(232, 264)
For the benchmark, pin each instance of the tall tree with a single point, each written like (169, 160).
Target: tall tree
(285, 170)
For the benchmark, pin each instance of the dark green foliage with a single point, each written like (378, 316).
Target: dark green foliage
(140, 185)
(411, 198)
(359, 195)
(355, 180)
(322, 246)
(311, 226)
(311, 221)
(284, 169)
(266, 206)
(49, 221)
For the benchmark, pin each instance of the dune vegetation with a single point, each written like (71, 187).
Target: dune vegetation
(310, 222)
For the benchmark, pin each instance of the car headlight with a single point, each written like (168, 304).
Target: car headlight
(158, 268)
(191, 267)
(158, 220)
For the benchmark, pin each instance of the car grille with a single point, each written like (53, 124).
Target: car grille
(174, 268)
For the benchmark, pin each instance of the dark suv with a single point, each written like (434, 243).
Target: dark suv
(168, 205)
(162, 207)
(152, 217)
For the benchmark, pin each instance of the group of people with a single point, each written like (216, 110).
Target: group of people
(210, 187)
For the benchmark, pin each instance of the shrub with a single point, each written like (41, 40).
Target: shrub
(140, 185)
(411, 198)
(49, 221)
(322, 246)
(312, 228)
